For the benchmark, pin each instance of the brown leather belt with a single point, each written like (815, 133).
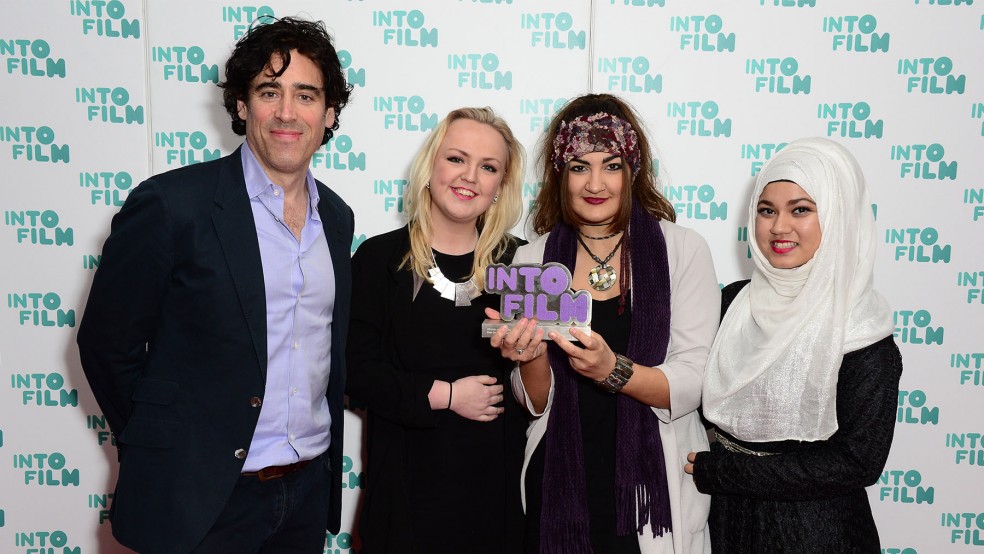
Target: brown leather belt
(276, 472)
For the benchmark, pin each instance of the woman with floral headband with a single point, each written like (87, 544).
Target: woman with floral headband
(615, 415)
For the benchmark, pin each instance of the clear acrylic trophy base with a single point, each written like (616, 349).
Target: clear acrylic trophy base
(490, 326)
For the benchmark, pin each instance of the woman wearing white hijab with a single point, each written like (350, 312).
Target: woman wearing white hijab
(802, 379)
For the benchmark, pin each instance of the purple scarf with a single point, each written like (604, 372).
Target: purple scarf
(641, 494)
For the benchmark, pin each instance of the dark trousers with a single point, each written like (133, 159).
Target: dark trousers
(284, 515)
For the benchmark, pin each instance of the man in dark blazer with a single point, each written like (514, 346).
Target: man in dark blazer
(214, 334)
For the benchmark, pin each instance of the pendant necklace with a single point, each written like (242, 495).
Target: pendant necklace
(601, 277)
(461, 293)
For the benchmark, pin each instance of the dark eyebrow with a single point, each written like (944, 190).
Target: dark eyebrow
(606, 160)
(467, 155)
(798, 200)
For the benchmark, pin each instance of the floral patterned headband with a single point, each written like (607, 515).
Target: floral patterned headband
(601, 132)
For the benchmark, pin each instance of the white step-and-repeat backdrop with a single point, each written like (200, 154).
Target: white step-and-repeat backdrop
(99, 94)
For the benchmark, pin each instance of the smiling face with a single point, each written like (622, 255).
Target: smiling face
(286, 117)
(594, 186)
(787, 227)
(467, 171)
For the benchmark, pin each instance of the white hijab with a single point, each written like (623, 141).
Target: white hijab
(772, 370)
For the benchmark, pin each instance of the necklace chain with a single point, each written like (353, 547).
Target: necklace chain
(596, 258)
(608, 236)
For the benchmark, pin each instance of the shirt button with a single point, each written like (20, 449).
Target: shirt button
(296, 345)
(256, 402)
(291, 436)
(293, 390)
(276, 192)
(241, 454)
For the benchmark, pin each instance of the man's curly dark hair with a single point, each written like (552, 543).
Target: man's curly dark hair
(254, 50)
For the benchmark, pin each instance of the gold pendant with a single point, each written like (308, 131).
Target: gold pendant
(602, 277)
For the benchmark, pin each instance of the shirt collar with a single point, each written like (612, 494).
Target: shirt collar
(257, 181)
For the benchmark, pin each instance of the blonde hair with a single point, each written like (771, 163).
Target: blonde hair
(492, 225)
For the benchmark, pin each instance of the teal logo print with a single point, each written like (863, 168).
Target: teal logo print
(975, 198)
(696, 202)
(479, 71)
(101, 503)
(341, 543)
(640, 3)
(40, 309)
(185, 148)
(40, 227)
(905, 487)
(778, 76)
(391, 190)
(965, 527)
(35, 144)
(108, 188)
(44, 389)
(541, 111)
(100, 426)
(337, 154)
(759, 154)
(850, 120)
(629, 74)
(971, 366)
(924, 161)
(185, 64)
(45, 542)
(789, 3)
(404, 113)
(968, 448)
(912, 327)
(699, 119)
(852, 33)
(47, 470)
(31, 57)
(702, 33)
(973, 281)
(553, 30)
(109, 105)
(405, 28)
(104, 18)
(913, 409)
(355, 76)
(243, 17)
(931, 76)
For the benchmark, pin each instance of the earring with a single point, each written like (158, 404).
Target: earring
(428, 185)
(495, 199)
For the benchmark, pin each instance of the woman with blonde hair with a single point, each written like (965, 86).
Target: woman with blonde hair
(444, 444)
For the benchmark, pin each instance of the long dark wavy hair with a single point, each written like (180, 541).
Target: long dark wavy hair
(280, 36)
(553, 202)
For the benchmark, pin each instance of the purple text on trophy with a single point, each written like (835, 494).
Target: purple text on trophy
(542, 291)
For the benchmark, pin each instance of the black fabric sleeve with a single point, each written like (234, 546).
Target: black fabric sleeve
(852, 458)
(374, 378)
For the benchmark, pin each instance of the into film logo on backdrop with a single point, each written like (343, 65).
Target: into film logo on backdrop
(975, 198)
(44, 389)
(913, 327)
(105, 18)
(106, 188)
(40, 309)
(964, 527)
(918, 245)
(339, 154)
(109, 105)
(924, 162)
(629, 74)
(702, 33)
(479, 71)
(904, 486)
(391, 192)
(31, 57)
(404, 113)
(931, 76)
(45, 542)
(970, 366)
(698, 118)
(540, 112)
(759, 153)
(39, 227)
(696, 202)
(554, 30)
(850, 120)
(241, 17)
(355, 76)
(185, 64)
(404, 28)
(973, 283)
(778, 76)
(181, 148)
(967, 448)
(853, 33)
(34, 144)
(915, 410)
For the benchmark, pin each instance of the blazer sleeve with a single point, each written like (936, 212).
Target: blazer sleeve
(124, 302)
(851, 459)
(389, 391)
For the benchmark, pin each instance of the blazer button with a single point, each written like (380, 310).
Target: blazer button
(241, 454)
(256, 402)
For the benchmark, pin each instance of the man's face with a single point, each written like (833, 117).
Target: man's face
(286, 117)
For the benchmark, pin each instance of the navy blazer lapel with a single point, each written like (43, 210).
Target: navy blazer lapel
(234, 225)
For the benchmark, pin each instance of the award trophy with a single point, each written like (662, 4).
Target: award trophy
(541, 291)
